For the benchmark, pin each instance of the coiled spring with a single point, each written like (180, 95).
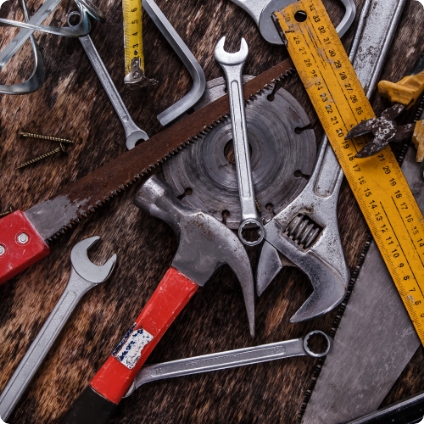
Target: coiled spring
(303, 231)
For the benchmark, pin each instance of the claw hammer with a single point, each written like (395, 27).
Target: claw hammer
(205, 244)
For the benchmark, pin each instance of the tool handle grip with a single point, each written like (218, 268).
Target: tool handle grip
(20, 245)
(115, 377)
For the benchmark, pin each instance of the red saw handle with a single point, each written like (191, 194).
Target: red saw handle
(119, 371)
(20, 245)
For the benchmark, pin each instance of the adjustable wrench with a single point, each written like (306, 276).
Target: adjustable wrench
(84, 276)
(232, 64)
(310, 221)
(230, 359)
(261, 11)
(132, 132)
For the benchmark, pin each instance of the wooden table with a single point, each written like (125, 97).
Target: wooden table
(73, 104)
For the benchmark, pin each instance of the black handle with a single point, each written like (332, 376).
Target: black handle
(89, 408)
(409, 411)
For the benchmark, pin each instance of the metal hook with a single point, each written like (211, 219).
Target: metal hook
(81, 29)
(36, 80)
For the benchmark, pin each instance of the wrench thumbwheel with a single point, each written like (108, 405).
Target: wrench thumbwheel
(281, 157)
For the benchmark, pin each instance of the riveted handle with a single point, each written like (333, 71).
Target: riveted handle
(20, 245)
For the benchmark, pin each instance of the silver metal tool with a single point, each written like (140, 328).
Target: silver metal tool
(230, 359)
(281, 157)
(261, 11)
(84, 276)
(311, 220)
(375, 339)
(82, 28)
(42, 13)
(36, 80)
(184, 53)
(232, 64)
(133, 133)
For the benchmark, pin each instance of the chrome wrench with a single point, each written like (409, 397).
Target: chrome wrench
(84, 276)
(310, 221)
(132, 132)
(230, 359)
(232, 65)
(261, 11)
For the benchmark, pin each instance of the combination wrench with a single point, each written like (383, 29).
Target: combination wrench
(232, 65)
(309, 223)
(230, 359)
(84, 276)
(133, 133)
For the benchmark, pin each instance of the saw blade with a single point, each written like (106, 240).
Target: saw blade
(282, 156)
(82, 197)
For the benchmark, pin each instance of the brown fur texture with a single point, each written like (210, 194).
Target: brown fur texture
(73, 104)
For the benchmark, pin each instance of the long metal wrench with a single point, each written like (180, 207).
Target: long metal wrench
(132, 132)
(232, 65)
(230, 359)
(322, 191)
(186, 56)
(84, 276)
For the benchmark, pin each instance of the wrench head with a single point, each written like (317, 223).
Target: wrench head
(86, 269)
(225, 58)
(135, 136)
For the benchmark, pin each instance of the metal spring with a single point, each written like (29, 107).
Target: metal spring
(302, 230)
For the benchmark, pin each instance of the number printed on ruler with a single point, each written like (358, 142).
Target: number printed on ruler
(377, 182)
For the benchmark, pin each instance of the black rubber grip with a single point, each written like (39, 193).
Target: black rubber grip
(90, 408)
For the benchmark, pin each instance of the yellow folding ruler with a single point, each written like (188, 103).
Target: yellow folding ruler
(133, 43)
(377, 182)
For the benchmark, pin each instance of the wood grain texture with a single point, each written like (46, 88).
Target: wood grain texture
(72, 104)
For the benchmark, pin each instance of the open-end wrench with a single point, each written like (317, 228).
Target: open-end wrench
(186, 56)
(133, 133)
(230, 359)
(84, 276)
(310, 221)
(261, 12)
(232, 64)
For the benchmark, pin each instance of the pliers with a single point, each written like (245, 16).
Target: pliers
(404, 95)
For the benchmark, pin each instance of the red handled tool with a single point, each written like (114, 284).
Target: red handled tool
(205, 244)
(24, 235)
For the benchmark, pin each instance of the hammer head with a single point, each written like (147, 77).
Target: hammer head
(205, 243)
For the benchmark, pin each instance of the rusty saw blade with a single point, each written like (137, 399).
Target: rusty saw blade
(85, 195)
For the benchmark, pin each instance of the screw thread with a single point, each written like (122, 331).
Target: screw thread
(44, 156)
(44, 137)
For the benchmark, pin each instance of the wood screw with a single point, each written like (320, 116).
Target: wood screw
(61, 148)
(25, 134)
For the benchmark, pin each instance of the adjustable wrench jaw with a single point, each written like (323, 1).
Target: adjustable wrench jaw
(307, 239)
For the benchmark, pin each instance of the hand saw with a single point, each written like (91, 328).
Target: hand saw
(23, 235)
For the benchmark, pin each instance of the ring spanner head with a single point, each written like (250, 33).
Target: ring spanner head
(86, 269)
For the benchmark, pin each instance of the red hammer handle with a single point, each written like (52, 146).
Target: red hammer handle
(20, 245)
(116, 375)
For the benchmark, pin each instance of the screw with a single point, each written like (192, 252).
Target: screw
(7, 212)
(2, 250)
(25, 134)
(61, 148)
(23, 238)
